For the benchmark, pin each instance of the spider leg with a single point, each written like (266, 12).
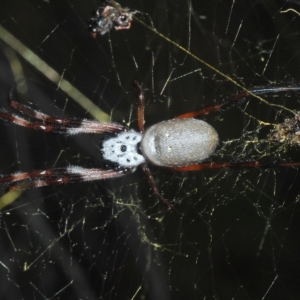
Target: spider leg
(155, 188)
(141, 105)
(239, 165)
(235, 100)
(55, 124)
(57, 176)
(62, 125)
(25, 109)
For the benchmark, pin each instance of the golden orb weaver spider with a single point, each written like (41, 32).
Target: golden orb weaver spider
(179, 144)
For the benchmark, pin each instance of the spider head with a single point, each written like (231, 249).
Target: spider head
(123, 149)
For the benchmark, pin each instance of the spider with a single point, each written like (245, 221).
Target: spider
(106, 17)
(179, 144)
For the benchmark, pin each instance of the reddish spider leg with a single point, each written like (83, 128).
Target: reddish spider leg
(62, 126)
(241, 165)
(235, 100)
(228, 103)
(141, 121)
(141, 105)
(56, 125)
(58, 176)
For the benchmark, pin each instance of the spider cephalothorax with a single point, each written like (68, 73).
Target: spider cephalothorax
(123, 149)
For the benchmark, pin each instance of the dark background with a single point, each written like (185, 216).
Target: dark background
(238, 235)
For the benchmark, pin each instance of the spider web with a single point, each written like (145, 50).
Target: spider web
(237, 234)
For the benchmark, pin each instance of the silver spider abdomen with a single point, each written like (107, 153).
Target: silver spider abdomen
(179, 142)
